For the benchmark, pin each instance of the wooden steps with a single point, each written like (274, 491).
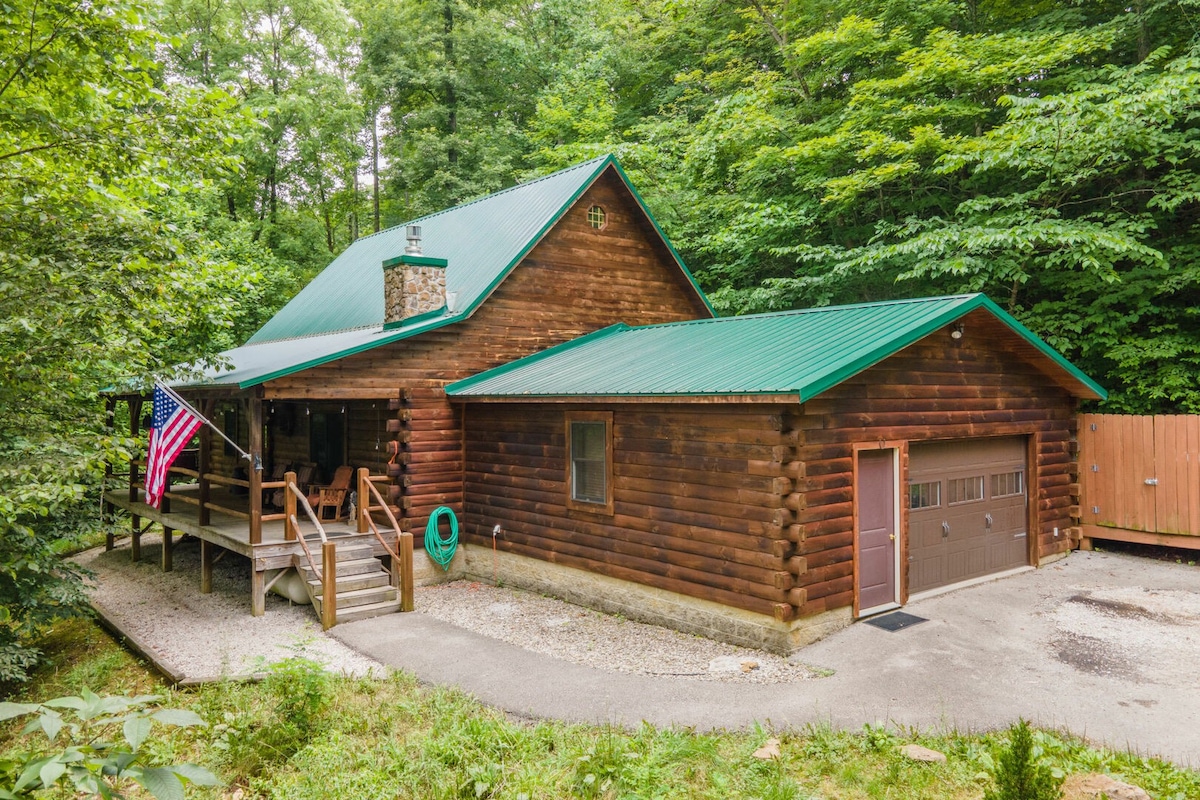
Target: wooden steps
(364, 588)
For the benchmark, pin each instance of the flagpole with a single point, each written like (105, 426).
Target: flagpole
(175, 396)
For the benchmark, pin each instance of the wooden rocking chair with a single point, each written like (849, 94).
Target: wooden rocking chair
(332, 496)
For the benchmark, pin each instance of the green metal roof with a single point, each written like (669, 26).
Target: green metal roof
(801, 353)
(341, 311)
(481, 241)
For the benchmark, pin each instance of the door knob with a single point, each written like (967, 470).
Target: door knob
(892, 536)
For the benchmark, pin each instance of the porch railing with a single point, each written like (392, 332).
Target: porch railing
(203, 501)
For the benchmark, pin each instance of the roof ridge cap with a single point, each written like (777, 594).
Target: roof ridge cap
(311, 335)
(506, 190)
(811, 310)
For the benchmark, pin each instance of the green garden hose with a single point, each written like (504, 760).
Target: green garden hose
(439, 549)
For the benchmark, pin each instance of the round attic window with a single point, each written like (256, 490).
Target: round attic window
(596, 217)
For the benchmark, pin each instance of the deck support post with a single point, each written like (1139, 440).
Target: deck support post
(204, 466)
(206, 566)
(256, 465)
(364, 497)
(135, 541)
(168, 549)
(258, 591)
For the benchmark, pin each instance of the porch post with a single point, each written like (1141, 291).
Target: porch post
(256, 465)
(203, 463)
(289, 507)
(206, 566)
(258, 591)
(168, 549)
(364, 498)
(110, 422)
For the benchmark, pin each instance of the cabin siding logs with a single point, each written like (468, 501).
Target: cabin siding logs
(698, 495)
(575, 281)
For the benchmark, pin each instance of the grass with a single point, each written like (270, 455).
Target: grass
(302, 733)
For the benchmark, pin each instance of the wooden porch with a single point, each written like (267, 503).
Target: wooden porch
(223, 519)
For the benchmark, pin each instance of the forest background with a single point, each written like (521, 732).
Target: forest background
(172, 171)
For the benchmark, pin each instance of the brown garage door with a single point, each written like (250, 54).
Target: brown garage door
(967, 514)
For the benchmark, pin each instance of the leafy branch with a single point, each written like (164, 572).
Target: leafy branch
(92, 760)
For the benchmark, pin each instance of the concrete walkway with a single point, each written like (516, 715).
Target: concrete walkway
(1104, 645)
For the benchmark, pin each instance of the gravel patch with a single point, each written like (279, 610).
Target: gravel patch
(1137, 633)
(582, 636)
(208, 636)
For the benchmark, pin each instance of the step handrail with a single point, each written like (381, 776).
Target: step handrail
(328, 572)
(308, 509)
(402, 562)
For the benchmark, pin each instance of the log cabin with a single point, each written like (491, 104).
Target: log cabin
(351, 372)
(542, 363)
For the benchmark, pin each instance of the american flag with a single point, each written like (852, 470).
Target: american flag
(171, 428)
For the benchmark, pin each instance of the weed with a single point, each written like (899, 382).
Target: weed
(878, 739)
(294, 694)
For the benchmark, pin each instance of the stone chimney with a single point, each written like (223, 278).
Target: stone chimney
(412, 284)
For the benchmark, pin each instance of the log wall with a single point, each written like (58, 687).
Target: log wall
(575, 281)
(699, 497)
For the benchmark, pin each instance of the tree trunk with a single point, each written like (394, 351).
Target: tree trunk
(450, 99)
(375, 167)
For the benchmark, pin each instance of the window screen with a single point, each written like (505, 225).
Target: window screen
(588, 468)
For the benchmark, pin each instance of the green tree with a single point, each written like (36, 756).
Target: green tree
(1042, 153)
(292, 65)
(101, 158)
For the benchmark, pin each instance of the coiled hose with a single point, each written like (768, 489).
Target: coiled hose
(439, 549)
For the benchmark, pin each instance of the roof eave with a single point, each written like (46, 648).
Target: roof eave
(786, 397)
(1086, 387)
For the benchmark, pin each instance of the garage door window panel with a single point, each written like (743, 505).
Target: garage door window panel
(924, 495)
(964, 490)
(1008, 484)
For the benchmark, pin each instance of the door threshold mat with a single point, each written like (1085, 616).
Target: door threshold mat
(895, 621)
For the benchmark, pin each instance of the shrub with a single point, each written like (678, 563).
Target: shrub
(1019, 774)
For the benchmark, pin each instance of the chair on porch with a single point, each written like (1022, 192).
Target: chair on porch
(304, 476)
(332, 496)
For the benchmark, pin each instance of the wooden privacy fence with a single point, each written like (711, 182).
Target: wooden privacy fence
(1140, 478)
